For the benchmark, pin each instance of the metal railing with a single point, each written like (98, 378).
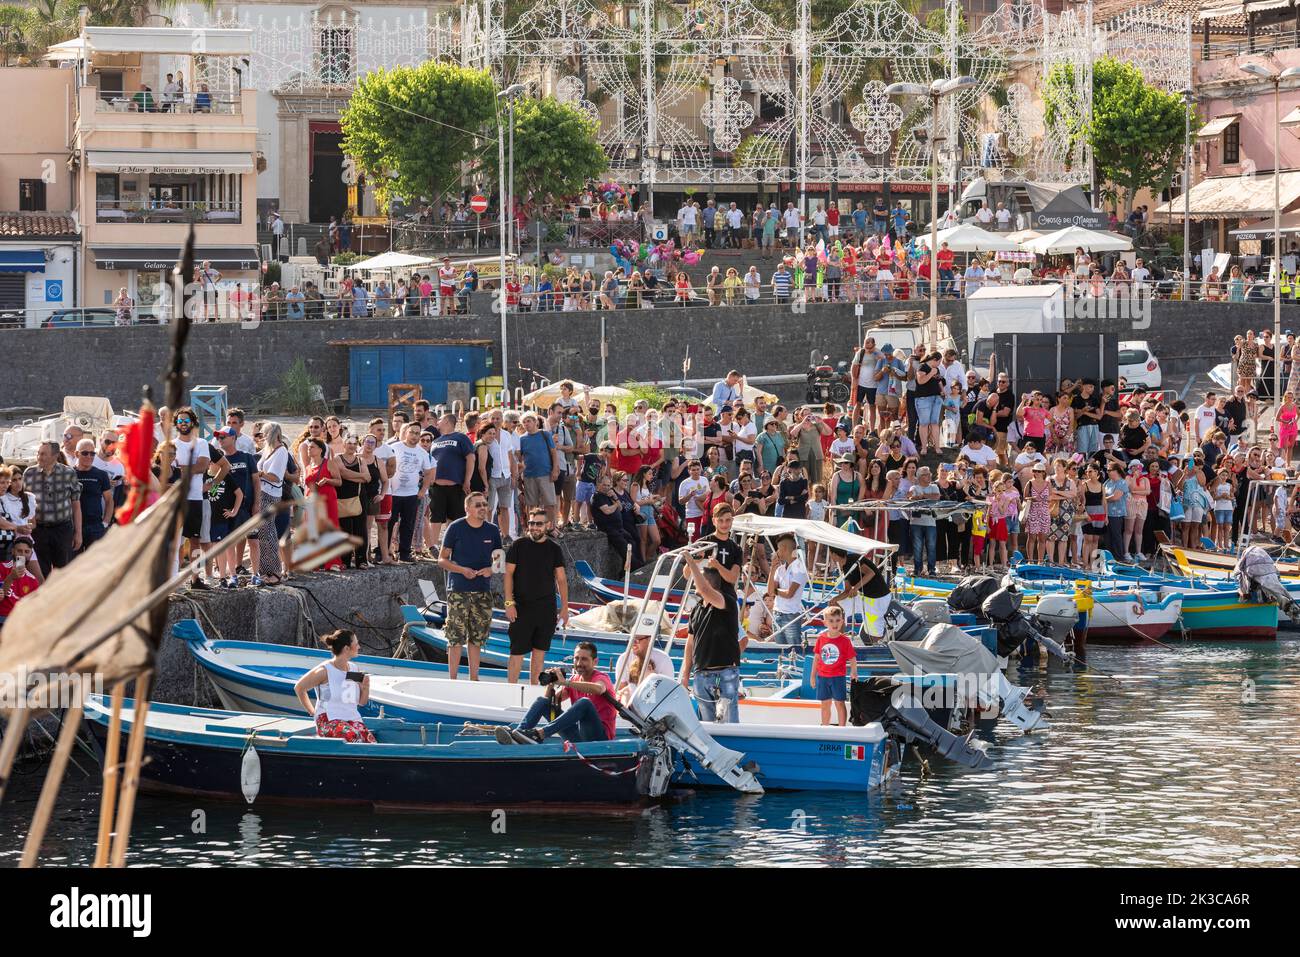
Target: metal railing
(140, 101)
(187, 211)
(1243, 46)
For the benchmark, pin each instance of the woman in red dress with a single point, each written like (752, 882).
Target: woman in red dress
(323, 481)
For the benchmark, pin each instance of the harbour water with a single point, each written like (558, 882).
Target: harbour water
(1191, 758)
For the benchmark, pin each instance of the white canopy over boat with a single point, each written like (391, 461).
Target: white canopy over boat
(821, 532)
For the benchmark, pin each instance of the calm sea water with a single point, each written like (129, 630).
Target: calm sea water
(1190, 759)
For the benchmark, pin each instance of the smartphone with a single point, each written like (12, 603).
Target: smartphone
(357, 676)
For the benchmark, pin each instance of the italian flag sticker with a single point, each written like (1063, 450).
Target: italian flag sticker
(855, 752)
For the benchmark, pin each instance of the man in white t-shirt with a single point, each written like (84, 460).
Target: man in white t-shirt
(792, 220)
(746, 434)
(985, 216)
(686, 221)
(411, 481)
(505, 470)
(191, 451)
(691, 492)
(785, 585)
(1003, 217)
(1140, 274)
(1205, 418)
(976, 451)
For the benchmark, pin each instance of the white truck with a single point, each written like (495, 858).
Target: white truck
(1001, 309)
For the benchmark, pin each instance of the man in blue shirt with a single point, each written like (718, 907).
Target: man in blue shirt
(453, 460)
(233, 500)
(470, 549)
(541, 467)
(889, 376)
(96, 494)
(726, 391)
(860, 223)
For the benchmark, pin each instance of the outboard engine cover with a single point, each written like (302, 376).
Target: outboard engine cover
(904, 624)
(1056, 615)
(878, 699)
(663, 705)
(932, 611)
(969, 594)
(1003, 604)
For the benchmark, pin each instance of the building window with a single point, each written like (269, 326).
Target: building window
(1232, 144)
(31, 195)
(334, 47)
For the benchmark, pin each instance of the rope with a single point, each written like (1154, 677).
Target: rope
(569, 746)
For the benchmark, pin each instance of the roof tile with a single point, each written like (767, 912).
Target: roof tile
(36, 225)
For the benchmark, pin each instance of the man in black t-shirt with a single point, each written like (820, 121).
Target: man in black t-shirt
(1110, 414)
(534, 575)
(726, 557)
(1087, 408)
(712, 653)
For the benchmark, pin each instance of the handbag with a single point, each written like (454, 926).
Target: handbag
(350, 507)
(1176, 513)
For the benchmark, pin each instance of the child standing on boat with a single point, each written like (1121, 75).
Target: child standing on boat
(834, 660)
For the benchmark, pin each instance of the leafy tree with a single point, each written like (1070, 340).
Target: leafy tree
(410, 128)
(556, 151)
(1137, 131)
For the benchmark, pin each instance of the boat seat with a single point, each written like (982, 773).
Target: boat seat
(256, 723)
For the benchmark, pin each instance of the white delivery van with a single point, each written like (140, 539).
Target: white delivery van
(998, 309)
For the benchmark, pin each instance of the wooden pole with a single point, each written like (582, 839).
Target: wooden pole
(112, 777)
(50, 789)
(18, 719)
(131, 778)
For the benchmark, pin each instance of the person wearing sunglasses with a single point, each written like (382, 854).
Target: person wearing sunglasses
(534, 578)
(96, 494)
(470, 550)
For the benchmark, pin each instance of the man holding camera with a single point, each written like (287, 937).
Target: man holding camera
(591, 713)
(534, 574)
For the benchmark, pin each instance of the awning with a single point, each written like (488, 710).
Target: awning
(165, 257)
(173, 41)
(1291, 119)
(1234, 197)
(179, 162)
(22, 260)
(1263, 229)
(1216, 126)
(1218, 11)
(1258, 6)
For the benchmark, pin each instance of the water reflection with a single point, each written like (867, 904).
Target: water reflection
(1185, 757)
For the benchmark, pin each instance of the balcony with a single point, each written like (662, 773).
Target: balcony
(1247, 46)
(128, 211)
(148, 101)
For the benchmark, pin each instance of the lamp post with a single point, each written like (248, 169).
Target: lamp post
(936, 91)
(509, 94)
(1189, 100)
(1276, 78)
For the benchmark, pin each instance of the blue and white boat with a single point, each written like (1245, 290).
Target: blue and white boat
(779, 734)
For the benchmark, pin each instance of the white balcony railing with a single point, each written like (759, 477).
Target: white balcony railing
(142, 101)
(131, 211)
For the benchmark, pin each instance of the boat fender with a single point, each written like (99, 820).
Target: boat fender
(250, 773)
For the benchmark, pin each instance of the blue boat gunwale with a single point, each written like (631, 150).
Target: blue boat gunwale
(480, 749)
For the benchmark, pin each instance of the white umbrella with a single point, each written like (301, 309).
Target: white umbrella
(547, 394)
(1070, 238)
(390, 260)
(968, 238)
(609, 393)
(1022, 236)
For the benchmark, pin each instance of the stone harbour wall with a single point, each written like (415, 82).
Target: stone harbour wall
(41, 366)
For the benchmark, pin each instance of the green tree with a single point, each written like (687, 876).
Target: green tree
(410, 128)
(556, 151)
(1137, 130)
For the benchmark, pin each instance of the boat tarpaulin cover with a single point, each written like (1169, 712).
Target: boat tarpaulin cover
(945, 649)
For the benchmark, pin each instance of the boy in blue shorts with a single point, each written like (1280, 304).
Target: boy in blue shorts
(835, 657)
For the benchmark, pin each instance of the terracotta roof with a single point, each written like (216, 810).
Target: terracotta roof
(36, 225)
(1104, 10)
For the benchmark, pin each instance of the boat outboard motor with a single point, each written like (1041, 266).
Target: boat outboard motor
(1055, 617)
(1257, 576)
(662, 705)
(969, 594)
(946, 649)
(1002, 608)
(904, 718)
(904, 624)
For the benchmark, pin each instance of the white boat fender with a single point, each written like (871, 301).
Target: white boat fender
(659, 700)
(250, 773)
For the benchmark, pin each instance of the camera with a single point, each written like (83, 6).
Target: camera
(547, 677)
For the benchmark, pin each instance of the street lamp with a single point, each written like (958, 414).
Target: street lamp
(505, 195)
(1272, 76)
(935, 91)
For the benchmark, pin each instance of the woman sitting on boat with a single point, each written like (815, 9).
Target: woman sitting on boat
(343, 691)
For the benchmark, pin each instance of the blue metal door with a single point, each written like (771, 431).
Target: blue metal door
(372, 369)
